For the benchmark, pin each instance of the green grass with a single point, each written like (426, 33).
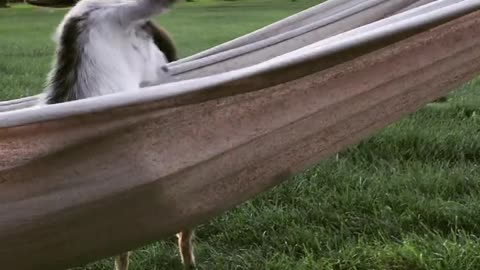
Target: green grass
(406, 199)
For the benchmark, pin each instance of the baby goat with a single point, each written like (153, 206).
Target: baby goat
(110, 46)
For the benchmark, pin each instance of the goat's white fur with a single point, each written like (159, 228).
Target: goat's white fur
(116, 54)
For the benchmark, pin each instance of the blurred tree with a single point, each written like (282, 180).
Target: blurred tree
(3, 3)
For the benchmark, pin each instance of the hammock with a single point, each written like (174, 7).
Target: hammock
(91, 178)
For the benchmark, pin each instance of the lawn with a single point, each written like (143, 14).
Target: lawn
(408, 198)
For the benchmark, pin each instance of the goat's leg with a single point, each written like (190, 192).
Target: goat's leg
(121, 261)
(185, 245)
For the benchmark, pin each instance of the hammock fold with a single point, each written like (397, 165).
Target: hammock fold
(92, 178)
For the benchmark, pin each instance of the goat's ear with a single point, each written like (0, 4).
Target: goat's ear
(52, 3)
(162, 40)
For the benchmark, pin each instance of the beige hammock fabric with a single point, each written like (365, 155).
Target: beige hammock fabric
(91, 178)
